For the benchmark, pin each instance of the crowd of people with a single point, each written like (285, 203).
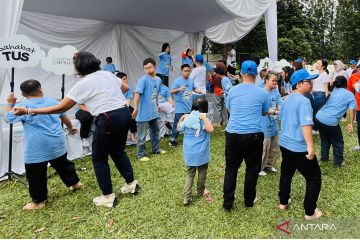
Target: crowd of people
(250, 106)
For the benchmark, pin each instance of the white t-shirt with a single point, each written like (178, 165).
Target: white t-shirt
(198, 74)
(99, 91)
(229, 58)
(319, 82)
(349, 72)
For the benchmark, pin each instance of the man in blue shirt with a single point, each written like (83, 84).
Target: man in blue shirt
(182, 89)
(244, 138)
(146, 100)
(44, 142)
(297, 146)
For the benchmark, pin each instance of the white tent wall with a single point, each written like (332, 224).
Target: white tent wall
(127, 45)
(10, 11)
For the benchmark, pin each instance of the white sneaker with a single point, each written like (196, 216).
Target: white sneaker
(315, 132)
(272, 169)
(262, 173)
(107, 201)
(356, 148)
(132, 188)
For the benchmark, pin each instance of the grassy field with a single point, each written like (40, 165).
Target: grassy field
(157, 212)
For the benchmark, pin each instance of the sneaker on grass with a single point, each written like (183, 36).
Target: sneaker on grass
(106, 201)
(33, 206)
(132, 188)
(262, 173)
(356, 148)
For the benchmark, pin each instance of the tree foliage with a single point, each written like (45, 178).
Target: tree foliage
(312, 29)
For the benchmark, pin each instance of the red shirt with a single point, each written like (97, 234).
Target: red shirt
(354, 87)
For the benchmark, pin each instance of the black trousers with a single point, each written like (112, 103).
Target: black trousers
(241, 147)
(331, 135)
(109, 138)
(36, 174)
(133, 128)
(309, 169)
(86, 120)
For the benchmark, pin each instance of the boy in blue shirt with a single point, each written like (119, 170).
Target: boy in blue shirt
(164, 66)
(129, 95)
(109, 66)
(244, 137)
(196, 148)
(146, 101)
(44, 142)
(328, 117)
(297, 146)
(182, 88)
(270, 126)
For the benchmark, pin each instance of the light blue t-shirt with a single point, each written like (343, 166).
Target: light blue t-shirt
(260, 83)
(183, 99)
(164, 94)
(226, 85)
(269, 122)
(164, 64)
(129, 94)
(149, 89)
(109, 67)
(246, 103)
(339, 101)
(44, 137)
(187, 60)
(196, 149)
(295, 113)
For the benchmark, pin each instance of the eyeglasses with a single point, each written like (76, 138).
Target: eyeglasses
(308, 81)
(149, 67)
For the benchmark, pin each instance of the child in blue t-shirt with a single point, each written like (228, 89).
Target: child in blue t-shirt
(270, 126)
(196, 147)
(44, 142)
(109, 66)
(129, 95)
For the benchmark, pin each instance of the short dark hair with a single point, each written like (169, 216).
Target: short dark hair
(340, 82)
(201, 105)
(219, 70)
(108, 59)
(121, 74)
(149, 60)
(185, 66)
(86, 63)
(30, 87)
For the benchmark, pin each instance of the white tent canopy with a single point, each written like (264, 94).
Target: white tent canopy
(127, 30)
(131, 30)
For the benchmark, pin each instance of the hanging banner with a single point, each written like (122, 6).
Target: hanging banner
(19, 51)
(60, 60)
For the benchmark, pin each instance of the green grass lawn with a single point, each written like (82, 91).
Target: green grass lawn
(157, 212)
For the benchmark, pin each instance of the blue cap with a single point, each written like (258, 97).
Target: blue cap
(352, 61)
(301, 75)
(299, 60)
(199, 58)
(249, 67)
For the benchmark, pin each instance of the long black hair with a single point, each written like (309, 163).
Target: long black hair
(324, 64)
(164, 47)
(339, 82)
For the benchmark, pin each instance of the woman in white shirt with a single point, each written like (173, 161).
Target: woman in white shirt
(101, 92)
(320, 87)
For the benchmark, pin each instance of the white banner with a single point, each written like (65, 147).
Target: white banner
(60, 60)
(19, 51)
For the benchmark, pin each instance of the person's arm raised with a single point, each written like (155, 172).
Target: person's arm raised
(63, 106)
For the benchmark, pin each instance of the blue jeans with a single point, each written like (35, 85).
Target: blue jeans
(142, 129)
(319, 98)
(175, 132)
(331, 135)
